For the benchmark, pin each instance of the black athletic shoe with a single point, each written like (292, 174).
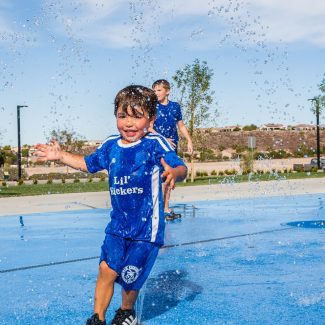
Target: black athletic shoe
(94, 320)
(170, 216)
(124, 317)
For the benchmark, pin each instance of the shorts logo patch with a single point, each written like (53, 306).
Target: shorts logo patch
(130, 273)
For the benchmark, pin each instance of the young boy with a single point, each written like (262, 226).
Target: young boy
(169, 118)
(136, 161)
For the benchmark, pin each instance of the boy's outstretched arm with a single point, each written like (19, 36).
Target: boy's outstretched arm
(173, 175)
(52, 151)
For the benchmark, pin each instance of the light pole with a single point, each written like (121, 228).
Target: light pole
(19, 146)
(316, 103)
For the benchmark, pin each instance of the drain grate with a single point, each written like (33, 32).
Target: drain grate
(307, 224)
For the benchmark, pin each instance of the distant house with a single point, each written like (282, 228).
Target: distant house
(272, 127)
(303, 127)
(231, 128)
(32, 149)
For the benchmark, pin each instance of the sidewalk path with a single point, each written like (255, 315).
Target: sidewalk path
(93, 200)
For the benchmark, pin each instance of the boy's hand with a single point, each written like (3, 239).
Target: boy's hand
(169, 174)
(171, 142)
(47, 152)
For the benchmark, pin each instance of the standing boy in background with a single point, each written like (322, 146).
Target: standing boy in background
(169, 118)
(136, 160)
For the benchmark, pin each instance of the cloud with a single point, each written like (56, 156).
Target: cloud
(122, 24)
(271, 21)
(292, 20)
(15, 32)
(4, 24)
(258, 20)
(114, 24)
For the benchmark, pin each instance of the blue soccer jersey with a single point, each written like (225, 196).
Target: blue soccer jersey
(167, 118)
(135, 184)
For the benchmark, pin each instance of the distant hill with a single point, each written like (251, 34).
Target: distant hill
(289, 140)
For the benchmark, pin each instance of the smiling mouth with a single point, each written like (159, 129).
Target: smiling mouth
(130, 133)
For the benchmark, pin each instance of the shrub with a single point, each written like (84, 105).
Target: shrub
(278, 154)
(221, 173)
(63, 180)
(230, 171)
(219, 157)
(76, 180)
(13, 173)
(206, 154)
(20, 181)
(201, 173)
(60, 175)
(298, 167)
(246, 171)
(4, 183)
(49, 180)
(35, 181)
(213, 173)
(90, 179)
(102, 178)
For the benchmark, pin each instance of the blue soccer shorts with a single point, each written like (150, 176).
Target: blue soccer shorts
(132, 260)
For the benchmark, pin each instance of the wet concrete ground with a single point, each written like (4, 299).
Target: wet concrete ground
(225, 262)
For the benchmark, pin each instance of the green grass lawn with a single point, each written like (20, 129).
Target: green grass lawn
(41, 189)
(208, 180)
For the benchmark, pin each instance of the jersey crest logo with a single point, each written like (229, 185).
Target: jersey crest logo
(130, 273)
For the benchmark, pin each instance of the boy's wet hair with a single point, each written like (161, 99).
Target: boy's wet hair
(161, 82)
(135, 97)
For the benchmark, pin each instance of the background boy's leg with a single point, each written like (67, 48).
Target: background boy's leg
(129, 298)
(166, 190)
(104, 289)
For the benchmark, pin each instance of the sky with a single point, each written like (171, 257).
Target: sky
(67, 59)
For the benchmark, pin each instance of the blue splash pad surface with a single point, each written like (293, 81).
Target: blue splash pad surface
(238, 263)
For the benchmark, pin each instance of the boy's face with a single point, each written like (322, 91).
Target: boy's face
(161, 92)
(132, 127)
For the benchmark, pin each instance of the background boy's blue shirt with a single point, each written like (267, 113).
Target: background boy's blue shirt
(167, 118)
(135, 184)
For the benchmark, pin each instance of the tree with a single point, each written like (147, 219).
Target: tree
(25, 152)
(194, 82)
(67, 139)
(250, 127)
(8, 156)
(317, 108)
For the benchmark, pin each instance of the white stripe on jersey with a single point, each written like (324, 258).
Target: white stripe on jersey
(166, 146)
(155, 203)
(112, 137)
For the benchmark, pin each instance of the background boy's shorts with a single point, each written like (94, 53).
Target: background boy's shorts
(132, 260)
